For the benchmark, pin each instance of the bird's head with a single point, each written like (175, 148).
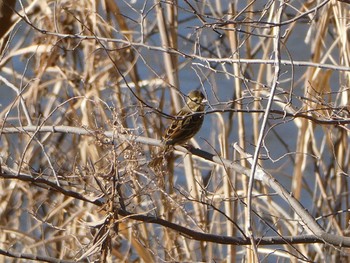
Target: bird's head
(196, 100)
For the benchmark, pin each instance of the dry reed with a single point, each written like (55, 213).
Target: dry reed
(87, 87)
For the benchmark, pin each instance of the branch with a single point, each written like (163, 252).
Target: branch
(41, 182)
(34, 257)
(261, 175)
(200, 236)
(192, 56)
(185, 231)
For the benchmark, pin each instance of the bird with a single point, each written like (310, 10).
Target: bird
(185, 125)
(188, 120)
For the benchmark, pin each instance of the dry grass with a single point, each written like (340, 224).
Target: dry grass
(276, 74)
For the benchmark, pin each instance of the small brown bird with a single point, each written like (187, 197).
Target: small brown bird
(188, 122)
(192, 116)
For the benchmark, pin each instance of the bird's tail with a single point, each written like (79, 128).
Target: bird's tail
(161, 158)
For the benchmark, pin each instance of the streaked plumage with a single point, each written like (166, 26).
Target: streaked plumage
(184, 128)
